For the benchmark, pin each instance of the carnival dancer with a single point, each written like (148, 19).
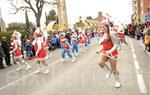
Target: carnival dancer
(82, 39)
(66, 48)
(87, 33)
(74, 43)
(85, 42)
(120, 32)
(109, 51)
(45, 41)
(40, 51)
(100, 34)
(16, 50)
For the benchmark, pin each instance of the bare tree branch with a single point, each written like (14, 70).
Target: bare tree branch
(36, 7)
(31, 6)
(17, 9)
(37, 4)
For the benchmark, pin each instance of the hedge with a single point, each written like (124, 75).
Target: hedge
(9, 33)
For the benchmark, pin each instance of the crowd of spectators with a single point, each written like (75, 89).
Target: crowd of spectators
(140, 32)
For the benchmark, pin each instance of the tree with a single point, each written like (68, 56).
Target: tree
(18, 26)
(51, 16)
(27, 22)
(36, 6)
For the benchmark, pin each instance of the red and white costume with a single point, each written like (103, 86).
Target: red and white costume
(39, 47)
(120, 33)
(16, 49)
(107, 46)
(16, 45)
(45, 39)
(65, 43)
(44, 36)
(40, 55)
(74, 39)
(81, 38)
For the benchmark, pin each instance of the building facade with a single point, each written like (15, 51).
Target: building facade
(142, 10)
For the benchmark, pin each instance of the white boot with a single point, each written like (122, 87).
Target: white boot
(73, 59)
(62, 60)
(28, 67)
(117, 80)
(84, 50)
(46, 71)
(77, 54)
(108, 71)
(19, 66)
(39, 69)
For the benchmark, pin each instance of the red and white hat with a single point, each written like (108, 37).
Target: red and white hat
(105, 21)
(16, 34)
(38, 31)
(63, 34)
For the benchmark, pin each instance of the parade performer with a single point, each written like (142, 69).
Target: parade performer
(109, 51)
(82, 40)
(87, 33)
(45, 39)
(120, 32)
(66, 48)
(16, 50)
(40, 53)
(74, 43)
(100, 34)
(85, 42)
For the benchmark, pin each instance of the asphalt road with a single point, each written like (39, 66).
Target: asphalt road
(84, 76)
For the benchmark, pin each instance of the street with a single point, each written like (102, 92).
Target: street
(84, 76)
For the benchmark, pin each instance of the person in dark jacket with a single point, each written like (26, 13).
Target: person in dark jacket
(68, 37)
(6, 48)
(2, 54)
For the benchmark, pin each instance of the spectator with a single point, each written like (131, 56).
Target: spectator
(2, 54)
(29, 48)
(54, 42)
(146, 40)
(138, 33)
(68, 37)
(129, 29)
(133, 30)
(6, 48)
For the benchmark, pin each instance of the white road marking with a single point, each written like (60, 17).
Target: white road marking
(133, 50)
(136, 64)
(134, 55)
(140, 79)
(30, 74)
(141, 83)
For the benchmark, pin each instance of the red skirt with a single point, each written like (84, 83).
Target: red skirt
(18, 52)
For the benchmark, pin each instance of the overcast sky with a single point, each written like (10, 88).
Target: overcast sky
(120, 9)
